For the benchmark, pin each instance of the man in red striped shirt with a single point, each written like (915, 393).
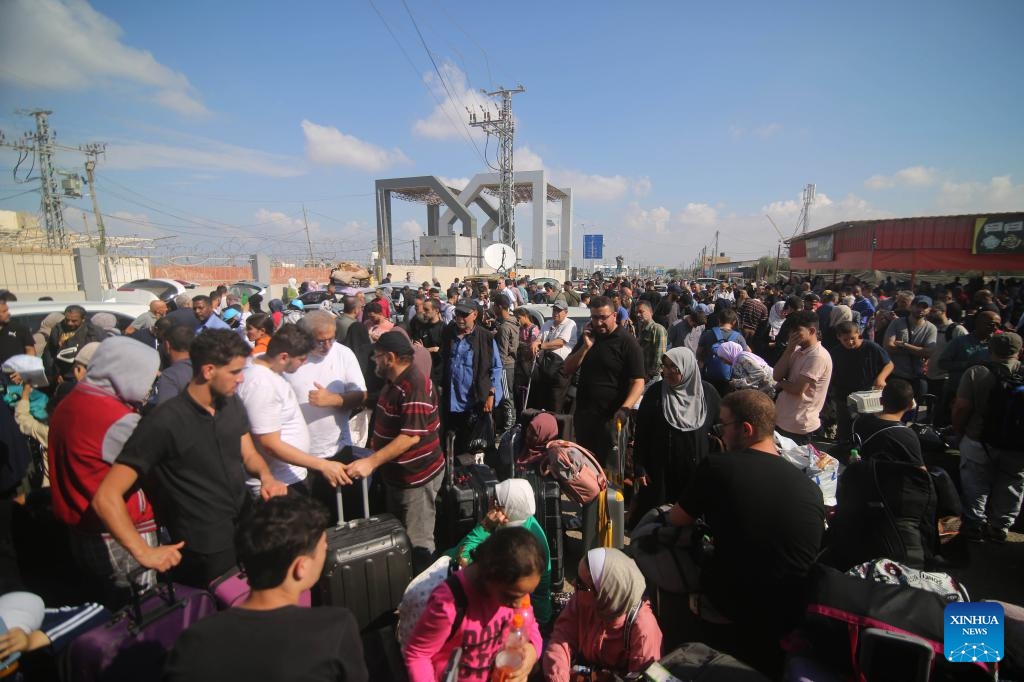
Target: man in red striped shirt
(406, 444)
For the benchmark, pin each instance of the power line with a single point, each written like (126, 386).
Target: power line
(28, 191)
(416, 70)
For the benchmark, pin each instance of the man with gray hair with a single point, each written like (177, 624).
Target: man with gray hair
(146, 320)
(329, 386)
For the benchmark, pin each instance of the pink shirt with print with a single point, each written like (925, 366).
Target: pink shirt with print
(481, 636)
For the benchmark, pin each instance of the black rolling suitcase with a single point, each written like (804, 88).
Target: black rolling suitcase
(368, 567)
(549, 514)
(465, 497)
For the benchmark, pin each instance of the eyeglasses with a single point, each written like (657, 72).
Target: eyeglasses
(324, 342)
(720, 427)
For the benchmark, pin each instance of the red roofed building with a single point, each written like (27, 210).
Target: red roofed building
(990, 243)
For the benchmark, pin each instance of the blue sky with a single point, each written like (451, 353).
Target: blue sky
(668, 119)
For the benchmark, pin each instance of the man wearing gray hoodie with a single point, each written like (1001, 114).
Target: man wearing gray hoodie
(87, 432)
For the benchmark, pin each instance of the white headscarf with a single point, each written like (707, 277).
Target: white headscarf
(683, 405)
(515, 495)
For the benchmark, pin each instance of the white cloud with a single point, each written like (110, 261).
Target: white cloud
(329, 146)
(824, 211)
(67, 45)
(998, 194)
(280, 219)
(584, 185)
(412, 228)
(457, 183)
(449, 120)
(205, 155)
(642, 187)
(697, 214)
(913, 176)
(526, 159)
(647, 219)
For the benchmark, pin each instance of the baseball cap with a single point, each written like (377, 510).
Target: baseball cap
(229, 314)
(297, 304)
(922, 300)
(393, 342)
(1006, 345)
(465, 307)
(559, 305)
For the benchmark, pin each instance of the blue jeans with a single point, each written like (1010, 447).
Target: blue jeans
(993, 484)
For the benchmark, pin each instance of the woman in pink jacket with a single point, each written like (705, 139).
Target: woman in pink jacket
(607, 625)
(506, 567)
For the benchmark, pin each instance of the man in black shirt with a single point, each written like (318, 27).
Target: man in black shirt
(191, 455)
(14, 338)
(283, 547)
(884, 436)
(611, 381)
(426, 331)
(767, 520)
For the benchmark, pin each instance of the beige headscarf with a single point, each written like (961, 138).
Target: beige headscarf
(618, 583)
(840, 313)
(45, 327)
(515, 495)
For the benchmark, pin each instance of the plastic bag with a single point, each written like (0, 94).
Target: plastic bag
(821, 467)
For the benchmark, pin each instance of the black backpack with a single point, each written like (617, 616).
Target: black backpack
(885, 509)
(1004, 415)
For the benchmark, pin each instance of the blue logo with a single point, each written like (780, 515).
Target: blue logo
(973, 632)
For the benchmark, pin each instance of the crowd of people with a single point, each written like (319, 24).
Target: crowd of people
(206, 436)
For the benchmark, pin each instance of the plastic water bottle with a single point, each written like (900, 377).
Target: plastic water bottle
(854, 455)
(511, 657)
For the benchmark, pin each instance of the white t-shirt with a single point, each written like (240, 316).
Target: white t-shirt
(271, 405)
(338, 372)
(565, 331)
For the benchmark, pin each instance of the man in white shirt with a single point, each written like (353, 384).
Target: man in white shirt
(277, 424)
(328, 387)
(557, 339)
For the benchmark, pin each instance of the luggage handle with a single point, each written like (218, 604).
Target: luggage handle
(449, 460)
(164, 589)
(341, 510)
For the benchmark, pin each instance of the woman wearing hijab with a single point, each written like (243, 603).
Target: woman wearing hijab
(45, 327)
(513, 506)
(748, 370)
(276, 306)
(839, 314)
(672, 430)
(541, 430)
(607, 624)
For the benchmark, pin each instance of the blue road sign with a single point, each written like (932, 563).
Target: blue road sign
(593, 246)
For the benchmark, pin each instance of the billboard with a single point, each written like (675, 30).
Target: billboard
(821, 249)
(593, 246)
(998, 235)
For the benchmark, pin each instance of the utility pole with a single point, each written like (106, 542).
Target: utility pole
(808, 201)
(503, 127)
(309, 242)
(93, 150)
(714, 258)
(53, 214)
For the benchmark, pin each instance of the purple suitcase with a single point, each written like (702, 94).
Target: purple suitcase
(133, 646)
(232, 588)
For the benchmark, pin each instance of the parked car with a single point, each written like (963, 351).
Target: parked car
(30, 314)
(247, 287)
(150, 289)
(541, 312)
(707, 282)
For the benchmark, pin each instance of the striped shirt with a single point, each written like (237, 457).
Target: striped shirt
(407, 406)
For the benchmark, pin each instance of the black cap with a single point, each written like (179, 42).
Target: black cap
(466, 307)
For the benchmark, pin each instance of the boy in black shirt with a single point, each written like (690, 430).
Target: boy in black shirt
(282, 548)
(883, 435)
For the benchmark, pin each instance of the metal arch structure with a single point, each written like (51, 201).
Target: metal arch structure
(426, 189)
(528, 186)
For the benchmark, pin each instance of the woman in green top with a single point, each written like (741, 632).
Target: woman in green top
(514, 505)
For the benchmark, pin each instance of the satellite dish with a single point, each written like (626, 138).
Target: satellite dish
(501, 257)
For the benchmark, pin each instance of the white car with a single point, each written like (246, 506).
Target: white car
(30, 314)
(150, 289)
